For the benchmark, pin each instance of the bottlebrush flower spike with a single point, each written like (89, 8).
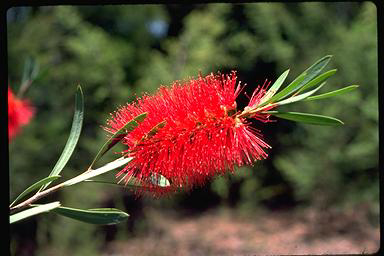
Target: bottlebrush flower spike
(20, 113)
(202, 133)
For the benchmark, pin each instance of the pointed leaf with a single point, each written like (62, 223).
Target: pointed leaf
(154, 130)
(73, 136)
(131, 182)
(26, 70)
(33, 211)
(285, 91)
(314, 70)
(159, 180)
(119, 135)
(275, 87)
(101, 216)
(310, 73)
(333, 93)
(35, 186)
(109, 183)
(299, 97)
(93, 173)
(301, 80)
(30, 70)
(318, 80)
(307, 118)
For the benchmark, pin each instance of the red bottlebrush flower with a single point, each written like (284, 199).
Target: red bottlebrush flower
(203, 136)
(20, 113)
(258, 96)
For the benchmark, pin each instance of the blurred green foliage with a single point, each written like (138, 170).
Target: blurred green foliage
(117, 52)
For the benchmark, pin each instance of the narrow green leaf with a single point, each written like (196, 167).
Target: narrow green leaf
(35, 70)
(35, 186)
(104, 182)
(155, 178)
(307, 118)
(333, 93)
(275, 87)
(315, 69)
(73, 136)
(26, 70)
(285, 91)
(159, 180)
(101, 216)
(154, 130)
(33, 211)
(299, 97)
(318, 80)
(310, 73)
(131, 184)
(30, 70)
(93, 173)
(119, 135)
(305, 77)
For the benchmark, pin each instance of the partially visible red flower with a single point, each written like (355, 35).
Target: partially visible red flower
(204, 134)
(20, 113)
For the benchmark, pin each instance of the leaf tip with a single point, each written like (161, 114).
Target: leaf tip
(162, 124)
(79, 91)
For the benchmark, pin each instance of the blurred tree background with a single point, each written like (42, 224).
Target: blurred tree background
(117, 52)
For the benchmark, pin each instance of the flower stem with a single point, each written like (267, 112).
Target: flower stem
(249, 112)
(36, 197)
(80, 178)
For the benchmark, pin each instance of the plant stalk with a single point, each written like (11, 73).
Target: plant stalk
(82, 177)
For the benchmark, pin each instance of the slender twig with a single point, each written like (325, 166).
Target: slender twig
(249, 112)
(82, 177)
(36, 197)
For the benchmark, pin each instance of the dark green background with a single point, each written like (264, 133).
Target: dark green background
(117, 52)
